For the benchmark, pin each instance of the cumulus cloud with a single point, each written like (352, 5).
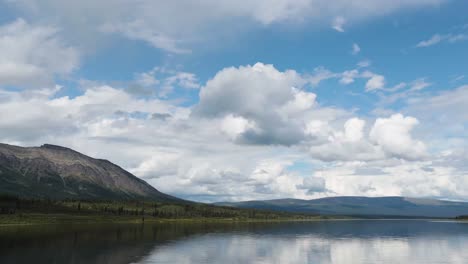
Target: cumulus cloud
(346, 144)
(159, 164)
(207, 152)
(261, 94)
(36, 117)
(313, 185)
(393, 135)
(31, 56)
(354, 129)
(247, 89)
(259, 105)
(395, 178)
(234, 126)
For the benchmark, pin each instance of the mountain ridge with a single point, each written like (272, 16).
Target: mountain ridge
(360, 206)
(52, 171)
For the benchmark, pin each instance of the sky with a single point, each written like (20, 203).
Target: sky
(239, 100)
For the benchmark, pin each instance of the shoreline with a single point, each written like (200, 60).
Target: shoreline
(59, 219)
(46, 219)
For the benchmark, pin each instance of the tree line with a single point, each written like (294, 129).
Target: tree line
(14, 205)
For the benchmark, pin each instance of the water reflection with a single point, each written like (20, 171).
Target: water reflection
(320, 242)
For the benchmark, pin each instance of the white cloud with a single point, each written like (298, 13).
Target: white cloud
(338, 23)
(458, 78)
(419, 84)
(395, 178)
(356, 49)
(272, 176)
(176, 26)
(234, 126)
(397, 92)
(31, 56)
(375, 82)
(333, 144)
(302, 101)
(313, 185)
(354, 129)
(163, 82)
(178, 153)
(184, 79)
(195, 152)
(248, 89)
(138, 30)
(397, 87)
(364, 64)
(432, 41)
(262, 94)
(393, 135)
(147, 79)
(158, 165)
(349, 76)
(444, 112)
(320, 74)
(438, 38)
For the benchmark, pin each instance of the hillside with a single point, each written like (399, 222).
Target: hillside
(362, 206)
(57, 172)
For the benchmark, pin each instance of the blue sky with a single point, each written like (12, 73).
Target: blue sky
(238, 100)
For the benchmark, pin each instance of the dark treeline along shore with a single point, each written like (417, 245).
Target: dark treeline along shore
(15, 210)
(56, 184)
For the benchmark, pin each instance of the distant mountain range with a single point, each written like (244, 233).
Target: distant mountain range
(361, 206)
(57, 172)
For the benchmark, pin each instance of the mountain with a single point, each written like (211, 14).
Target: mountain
(57, 172)
(361, 206)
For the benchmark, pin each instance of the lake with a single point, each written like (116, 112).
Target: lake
(357, 241)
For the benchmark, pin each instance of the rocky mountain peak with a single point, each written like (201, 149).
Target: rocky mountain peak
(52, 171)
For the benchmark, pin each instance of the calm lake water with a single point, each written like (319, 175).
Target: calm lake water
(392, 241)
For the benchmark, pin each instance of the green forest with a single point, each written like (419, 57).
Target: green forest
(16, 210)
